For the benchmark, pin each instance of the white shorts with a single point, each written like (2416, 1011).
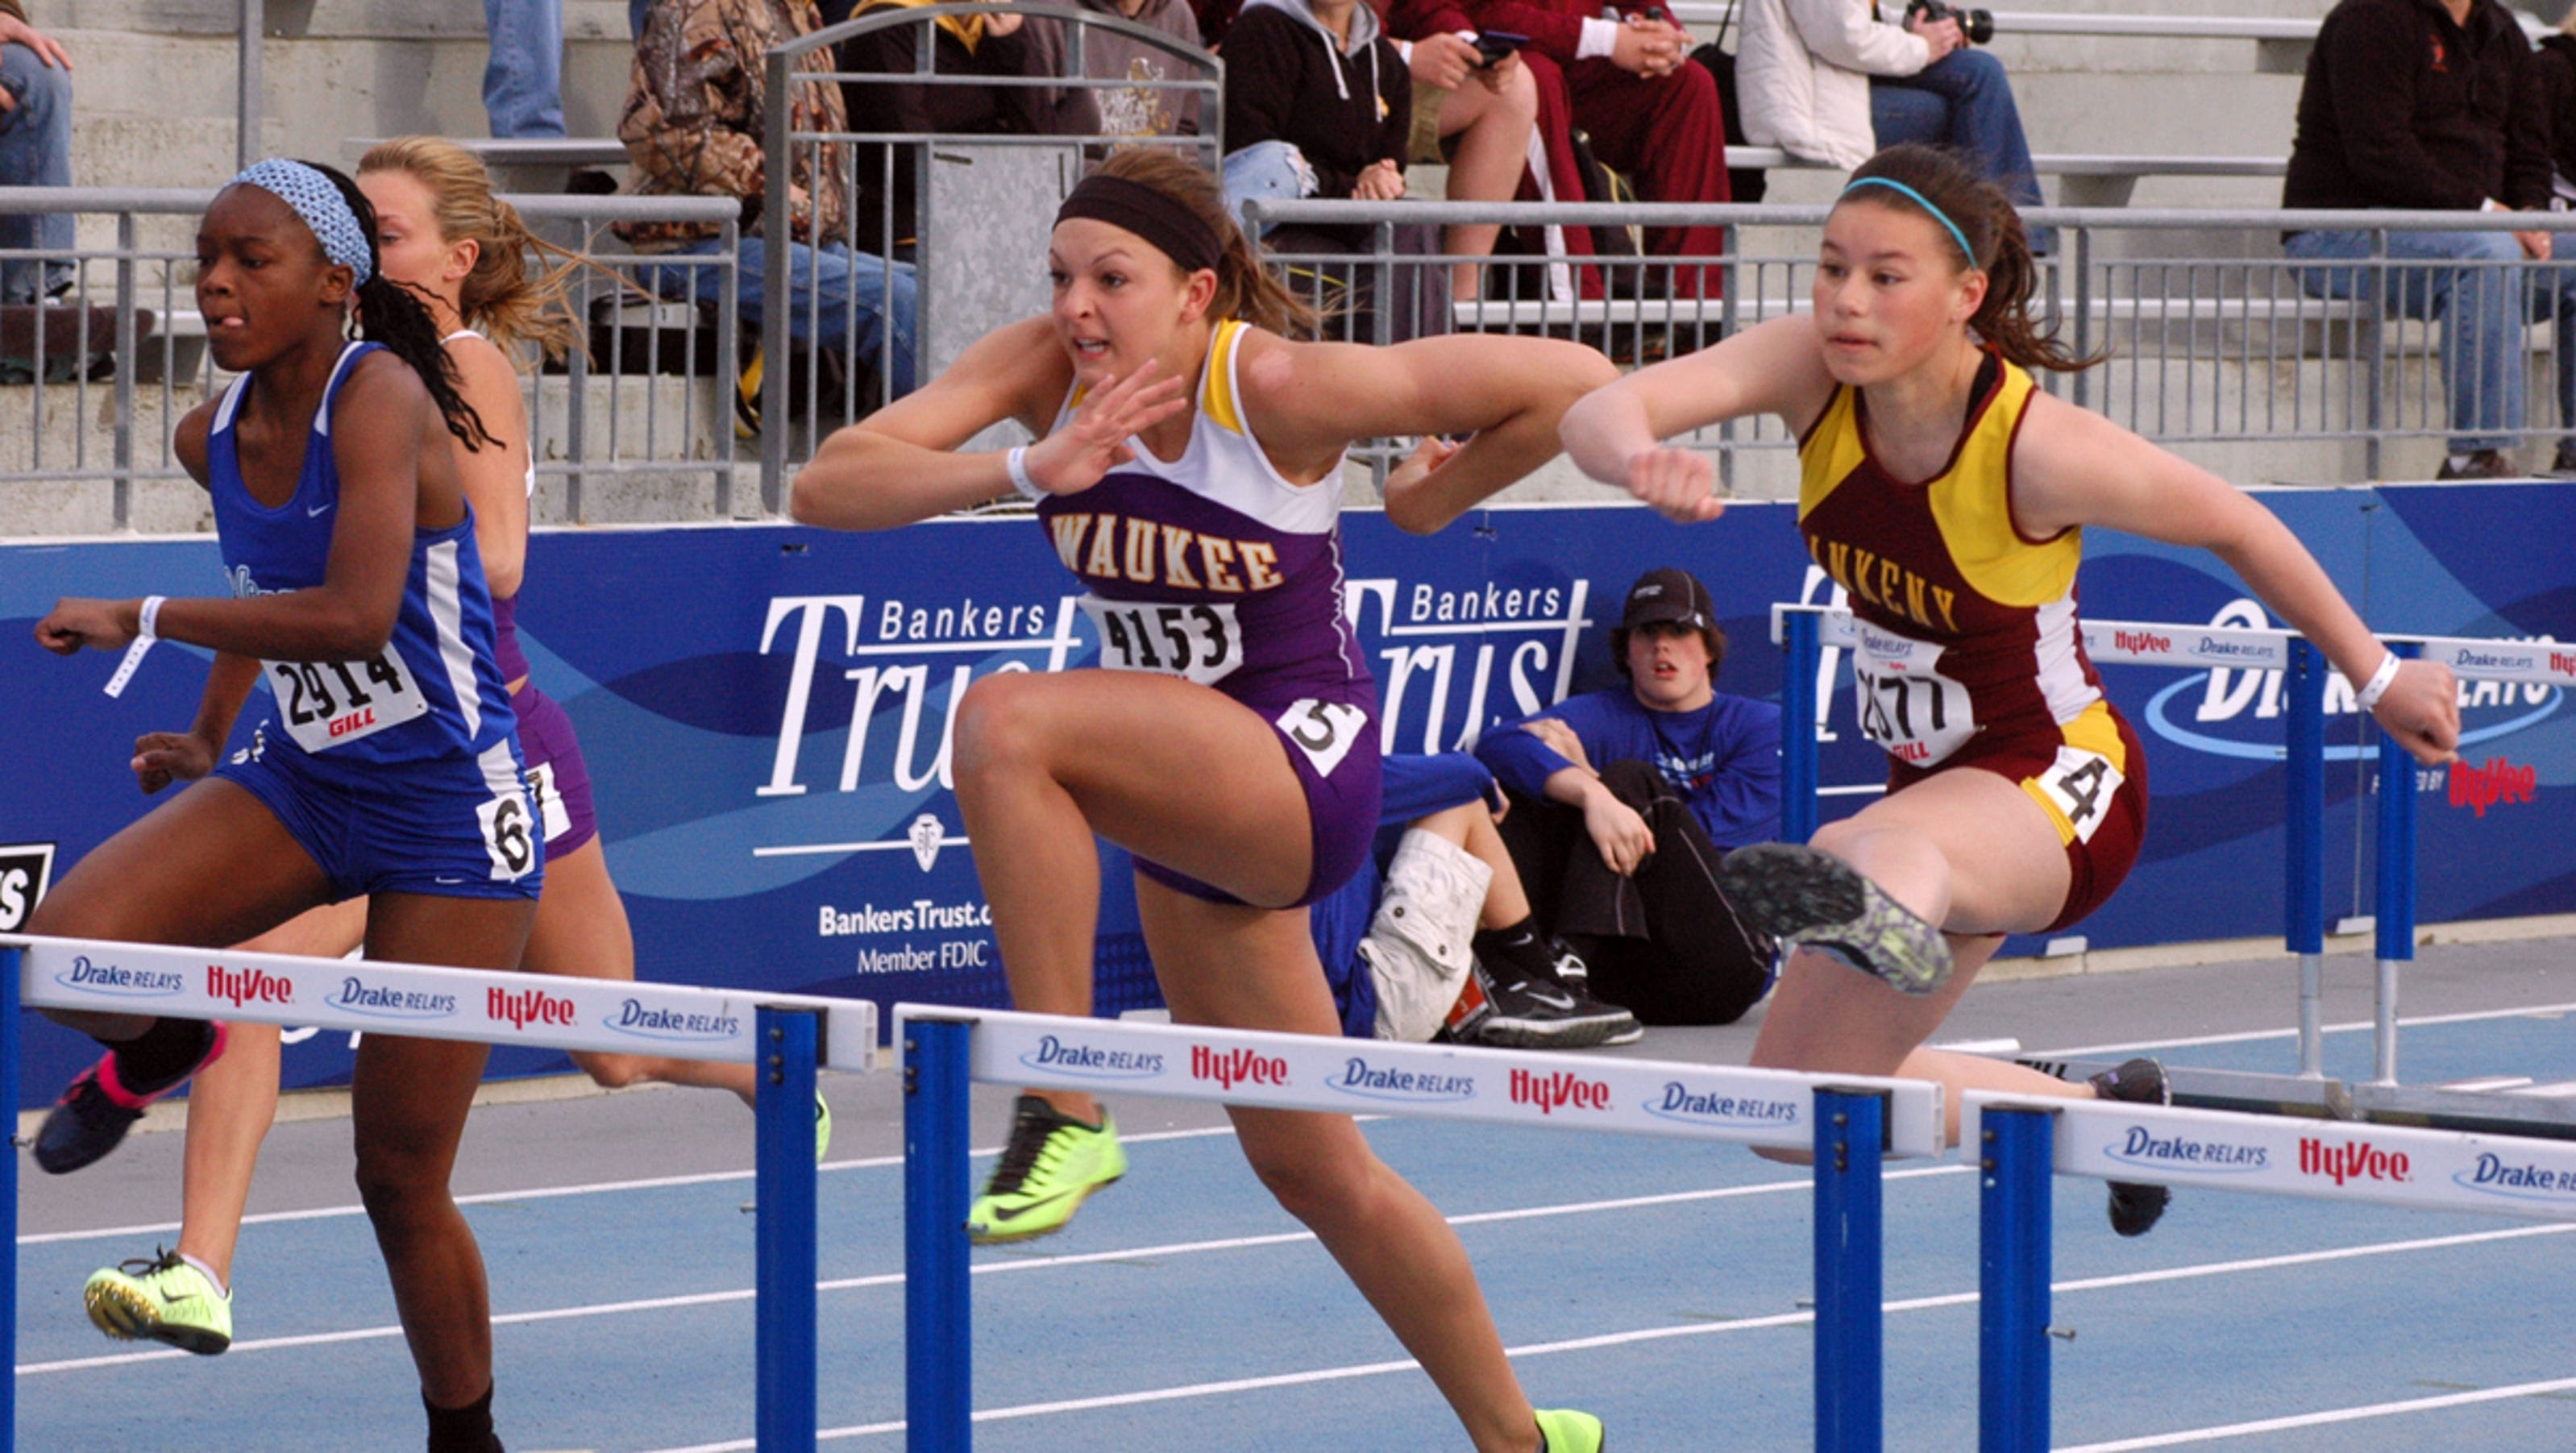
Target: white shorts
(1418, 946)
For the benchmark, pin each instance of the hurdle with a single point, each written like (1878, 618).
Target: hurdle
(1849, 1122)
(2023, 1145)
(1805, 631)
(788, 1036)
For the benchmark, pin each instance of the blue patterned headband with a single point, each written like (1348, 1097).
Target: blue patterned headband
(316, 199)
(1923, 202)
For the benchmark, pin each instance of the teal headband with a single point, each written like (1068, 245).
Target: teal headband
(1923, 202)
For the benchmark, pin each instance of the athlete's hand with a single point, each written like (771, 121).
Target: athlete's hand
(1073, 458)
(1560, 739)
(1425, 460)
(161, 758)
(1621, 835)
(104, 625)
(2421, 709)
(1680, 483)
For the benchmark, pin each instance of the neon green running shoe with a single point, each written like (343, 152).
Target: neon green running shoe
(1563, 1430)
(1051, 1164)
(822, 1126)
(1803, 898)
(164, 1299)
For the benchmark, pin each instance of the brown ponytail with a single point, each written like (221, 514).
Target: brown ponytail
(2000, 248)
(499, 297)
(1244, 288)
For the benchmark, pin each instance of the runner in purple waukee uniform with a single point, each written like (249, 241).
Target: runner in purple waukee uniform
(1188, 468)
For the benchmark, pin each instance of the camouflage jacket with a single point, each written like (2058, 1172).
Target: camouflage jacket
(695, 112)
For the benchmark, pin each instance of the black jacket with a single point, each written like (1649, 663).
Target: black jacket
(887, 218)
(1285, 80)
(2404, 109)
(2553, 68)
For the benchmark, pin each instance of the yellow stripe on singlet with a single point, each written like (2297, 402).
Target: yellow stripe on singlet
(1216, 399)
(2095, 731)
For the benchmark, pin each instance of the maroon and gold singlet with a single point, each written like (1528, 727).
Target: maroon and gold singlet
(1970, 653)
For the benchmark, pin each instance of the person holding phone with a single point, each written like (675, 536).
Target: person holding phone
(1627, 85)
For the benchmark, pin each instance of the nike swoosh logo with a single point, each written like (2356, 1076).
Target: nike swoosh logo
(1551, 999)
(317, 510)
(1000, 1214)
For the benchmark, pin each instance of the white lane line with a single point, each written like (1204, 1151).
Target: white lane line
(650, 1183)
(2333, 1415)
(1031, 1263)
(2251, 1036)
(1740, 1324)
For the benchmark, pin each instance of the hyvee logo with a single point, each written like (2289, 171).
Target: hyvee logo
(2143, 642)
(244, 987)
(2479, 788)
(25, 871)
(1558, 1090)
(1227, 1068)
(2359, 1161)
(520, 1008)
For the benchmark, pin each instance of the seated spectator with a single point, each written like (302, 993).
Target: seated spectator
(2425, 105)
(1648, 112)
(523, 74)
(692, 128)
(962, 45)
(1827, 80)
(2554, 86)
(1434, 932)
(1318, 103)
(1140, 108)
(35, 151)
(1624, 801)
(1479, 116)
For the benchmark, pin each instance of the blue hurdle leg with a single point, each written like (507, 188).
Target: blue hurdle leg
(2395, 908)
(1799, 667)
(1849, 1410)
(11, 961)
(784, 1339)
(939, 1380)
(2013, 1268)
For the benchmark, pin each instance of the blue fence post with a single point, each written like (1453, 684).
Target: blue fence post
(2394, 909)
(1849, 1133)
(938, 1348)
(2013, 1259)
(2303, 896)
(1798, 803)
(783, 1343)
(12, 962)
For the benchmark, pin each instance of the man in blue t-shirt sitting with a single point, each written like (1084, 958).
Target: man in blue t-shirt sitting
(1625, 800)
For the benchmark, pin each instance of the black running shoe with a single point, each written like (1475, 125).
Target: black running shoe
(98, 1107)
(1568, 964)
(1805, 898)
(1547, 1013)
(2135, 1206)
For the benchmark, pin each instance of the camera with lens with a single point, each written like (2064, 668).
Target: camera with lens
(1977, 25)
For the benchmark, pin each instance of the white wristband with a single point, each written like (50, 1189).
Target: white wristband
(1017, 463)
(145, 633)
(2367, 698)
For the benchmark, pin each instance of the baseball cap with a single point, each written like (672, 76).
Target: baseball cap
(1669, 594)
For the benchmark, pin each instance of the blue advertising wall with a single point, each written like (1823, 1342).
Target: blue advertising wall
(765, 711)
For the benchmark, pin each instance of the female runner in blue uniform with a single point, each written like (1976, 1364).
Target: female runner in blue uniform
(388, 766)
(1188, 468)
(441, 232)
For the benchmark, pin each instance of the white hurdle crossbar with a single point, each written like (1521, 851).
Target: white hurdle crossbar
(2024, 1143)
(788, 1036)
(1847, 1122)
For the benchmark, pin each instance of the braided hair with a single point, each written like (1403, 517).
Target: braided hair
(390, 313)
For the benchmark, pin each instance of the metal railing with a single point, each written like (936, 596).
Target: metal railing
(93, 383)
(2208, 333)
(977, 264)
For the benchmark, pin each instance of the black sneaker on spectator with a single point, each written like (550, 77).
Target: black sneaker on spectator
(2135, 1206)
(1568, 964)
(2564, 461)
(1547, 1013)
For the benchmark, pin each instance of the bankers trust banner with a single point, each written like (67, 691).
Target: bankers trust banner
(767, 712)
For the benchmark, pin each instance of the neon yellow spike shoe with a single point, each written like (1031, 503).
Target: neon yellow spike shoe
(163, 1299)
(1563, 1430)
(822, 1127)
(1052, 1163)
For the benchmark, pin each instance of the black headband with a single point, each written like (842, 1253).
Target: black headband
(1166, 222)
